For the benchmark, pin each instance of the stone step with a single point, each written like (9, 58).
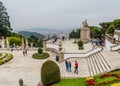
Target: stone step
(89, 66)
(97, 64)
(105, 61)
(94, 64)
(101, 66)
(101, 61)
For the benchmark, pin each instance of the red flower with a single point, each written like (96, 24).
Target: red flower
(91, 82)
(105, 75)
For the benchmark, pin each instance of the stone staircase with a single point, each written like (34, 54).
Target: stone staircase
(118, 51)
(97, 64)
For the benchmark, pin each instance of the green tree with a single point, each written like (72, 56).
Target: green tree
(75, 33)
(104, 27)
(37, 42)
(96, 32)
(110, 29)
(116, 23)
(5, 28)
(15, 40)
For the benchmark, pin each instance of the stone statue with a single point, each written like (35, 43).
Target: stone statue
(84, 24)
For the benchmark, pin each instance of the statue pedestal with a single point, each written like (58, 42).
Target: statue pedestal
(85, 34)
(61, 57)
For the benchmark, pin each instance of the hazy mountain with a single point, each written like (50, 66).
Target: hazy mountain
(28, 34)
(43, 30)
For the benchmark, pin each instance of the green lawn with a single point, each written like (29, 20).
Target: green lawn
(81, 81)
(71, 82)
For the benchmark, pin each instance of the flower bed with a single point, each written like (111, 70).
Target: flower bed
(107, 75)
(108, 79)
(116, 84)
(90, 81)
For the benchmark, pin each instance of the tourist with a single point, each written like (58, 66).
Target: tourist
(76, 67)
(63, 38)
(94, 43)
(67, 66)
(91, 42)
(26, 52)
(23, 52)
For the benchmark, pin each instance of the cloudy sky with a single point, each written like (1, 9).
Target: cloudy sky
(57, 14)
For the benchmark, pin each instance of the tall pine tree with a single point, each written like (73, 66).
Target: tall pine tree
(5, 28)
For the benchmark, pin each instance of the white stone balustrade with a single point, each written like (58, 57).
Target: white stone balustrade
(68, 55)
(52, 46)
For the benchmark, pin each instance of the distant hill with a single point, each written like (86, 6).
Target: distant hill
(28, 34)
(43, 30)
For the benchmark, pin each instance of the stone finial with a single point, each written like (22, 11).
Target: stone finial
(60, 46)
(21, 82)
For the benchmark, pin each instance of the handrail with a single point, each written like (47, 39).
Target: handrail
(115, 47)
(54, 46)
(110, 38)
(52, 43)
(84, 52)
(68, 55)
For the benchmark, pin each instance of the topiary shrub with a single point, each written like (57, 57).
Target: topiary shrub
(50, 73)
(5, 57)
(40, 56)
(40, 50)
(2, 61)
(80, 45)
(9, 57)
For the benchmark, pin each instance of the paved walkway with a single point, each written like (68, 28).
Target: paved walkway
(26, 68)
(70, 46)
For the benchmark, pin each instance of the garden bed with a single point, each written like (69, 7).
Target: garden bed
(5, 57)
(40, 56)
(106, 79)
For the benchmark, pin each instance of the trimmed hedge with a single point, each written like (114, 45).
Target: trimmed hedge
(40, 51)
(50, 73)
(80, 45)
(40, 56)
(5, 58)
(9, 57)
